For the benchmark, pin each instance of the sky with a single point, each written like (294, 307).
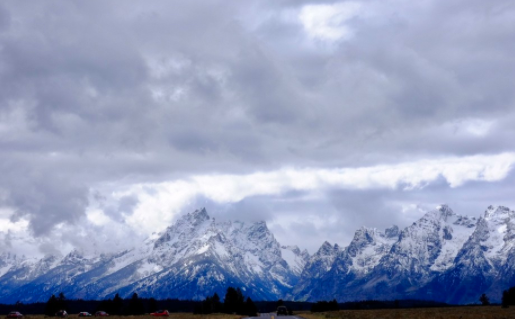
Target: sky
(318, 117)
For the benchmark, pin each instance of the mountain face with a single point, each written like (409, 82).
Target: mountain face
(192, 259)
(443, 256)
(485, 262)
(344, 268)
(318, 265)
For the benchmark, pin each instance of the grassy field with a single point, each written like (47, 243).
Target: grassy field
(172, 316)
(489, 312)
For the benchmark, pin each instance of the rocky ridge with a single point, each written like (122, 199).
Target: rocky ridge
(443, 256)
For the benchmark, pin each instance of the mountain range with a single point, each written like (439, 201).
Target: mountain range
(442, 257)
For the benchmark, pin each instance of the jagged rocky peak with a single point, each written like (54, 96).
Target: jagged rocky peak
(197, 217)
(369, 245)
(186, 225)
(73, 256)
(367, 235)
(445, 210)
(496, 222)
(499, 212)
(197, 256)
(441, 213)
(259, 227)
(363, 237)
(326, 251)
(392, 232)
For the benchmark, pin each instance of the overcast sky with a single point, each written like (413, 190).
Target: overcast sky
(318, 117)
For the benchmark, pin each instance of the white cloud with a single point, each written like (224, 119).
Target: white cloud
(468, 127)
(6, 224)
(159, 203)
(476, 127)
(327, 22)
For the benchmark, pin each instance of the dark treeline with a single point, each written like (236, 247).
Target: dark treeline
(508, 297)
(111, 306)
(322, 306)
(271, 306)
(233, 302)
(211, 304)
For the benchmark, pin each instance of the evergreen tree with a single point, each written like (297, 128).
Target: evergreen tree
(152, 305)
(234, 301)
(197, 309)
(508, 297)
(231, 300)
(322, 306)
(333, 305)
(105, 305)
(52, 306)
(61, 302)
(485, 301)
(241, 302)
(207, 306)
(117, 305)
(250, 308)
(505, 299)
(217, 305)
(136, 305)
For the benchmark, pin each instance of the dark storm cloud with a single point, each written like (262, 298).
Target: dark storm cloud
(47, 198)
(5, 18)
(95, 94)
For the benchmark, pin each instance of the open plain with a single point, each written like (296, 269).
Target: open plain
(465, 312)
(468, 312)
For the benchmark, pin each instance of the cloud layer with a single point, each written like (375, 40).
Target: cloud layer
(263, 109)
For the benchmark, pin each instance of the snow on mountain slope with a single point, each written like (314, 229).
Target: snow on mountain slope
(440, 256)
(9, 261)
(206, 257)
(368, 247)
(430, 244)
(337, 268)
(491, 241)
(393, 264)
(455, 234)
(500, 228)
(195, 252)
(295, 258)
(485, 261)
(315, 268)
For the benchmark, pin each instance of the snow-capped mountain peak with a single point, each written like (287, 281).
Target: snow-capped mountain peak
(392, 232)
(196, 255)
(438, 257)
